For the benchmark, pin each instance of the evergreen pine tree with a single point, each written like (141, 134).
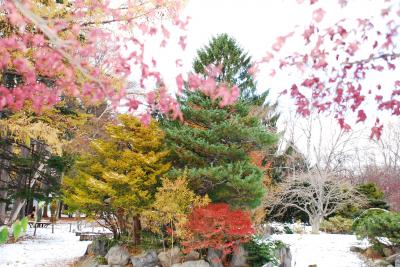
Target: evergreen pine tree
(213, 143)
(224, 51)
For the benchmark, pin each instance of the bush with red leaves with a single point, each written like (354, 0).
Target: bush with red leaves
(217, 226)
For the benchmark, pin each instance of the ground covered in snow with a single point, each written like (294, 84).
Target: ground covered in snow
(46, 249)
(323, 250)
(63, 247)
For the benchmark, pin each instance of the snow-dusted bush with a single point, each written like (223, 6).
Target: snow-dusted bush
(380, 227)
(290, 228)
(337, 225)
(261, 251)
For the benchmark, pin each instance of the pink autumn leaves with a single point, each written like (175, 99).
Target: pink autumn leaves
(79, 56)
(54, 64)
(30, 90)
(208, 85)
(335, 60)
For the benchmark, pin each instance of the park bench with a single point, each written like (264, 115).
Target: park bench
(39, 224)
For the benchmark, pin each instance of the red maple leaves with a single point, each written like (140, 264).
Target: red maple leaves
(217, 226)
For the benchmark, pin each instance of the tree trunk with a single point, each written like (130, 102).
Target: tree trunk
(115, 233)
(29, 207)
(22, 212)
(17, 206)
(59, 209)
(137, 228)
(315, 225)
(122, 223)
(3, 207)
(45, 210)
(3, 196)
(4, 178)
(23, 183)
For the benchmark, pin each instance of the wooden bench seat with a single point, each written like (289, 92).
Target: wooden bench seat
(39, 224)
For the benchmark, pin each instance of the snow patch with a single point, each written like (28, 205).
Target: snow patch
(324, 250)
(46, 249)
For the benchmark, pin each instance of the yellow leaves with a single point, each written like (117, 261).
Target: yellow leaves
(23, 130)
(173, 202)
(52, 127)
(139, 137)
(124, 167)
(49, 9)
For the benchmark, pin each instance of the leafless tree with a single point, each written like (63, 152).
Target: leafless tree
(379, 162)
(389, 146)
(317, 193)
(322, 143)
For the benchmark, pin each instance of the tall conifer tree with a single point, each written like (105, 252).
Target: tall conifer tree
(224, 51)
(213, 143)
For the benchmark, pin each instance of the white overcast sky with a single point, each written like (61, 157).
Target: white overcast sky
(255, 24)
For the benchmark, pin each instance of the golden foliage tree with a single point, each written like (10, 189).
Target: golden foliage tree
(173, 202)
(31, 151)
(117, 178)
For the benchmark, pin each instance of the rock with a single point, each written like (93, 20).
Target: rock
(88, 262)
(106, 265)
(371, 253)
(239, 257)
(146, 259)
(397, 261)
(380, 263)
(268, 230)
(97, 247)
(392, 258)
(269, 264)
(170, 257)
(388, 252)
(356, 249)
(200, 263)
(117, 255)
(284, 257)
(214, 257)
(93, 236)
(192, 256)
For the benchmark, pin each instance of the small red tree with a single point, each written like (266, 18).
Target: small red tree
(217, 226)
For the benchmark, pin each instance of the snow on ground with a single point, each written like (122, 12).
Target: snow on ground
(46, 249)
(63, 247)
(324, 250)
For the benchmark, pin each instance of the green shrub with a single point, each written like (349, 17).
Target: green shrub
(17, 229)
(150, 240)
(367, 214)
(375, 224)
(101, 260)
(3, 235)
(261, 251)
(287, 230)
(374, 195)
(375, 198)
(24, 224)
(337, 225)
